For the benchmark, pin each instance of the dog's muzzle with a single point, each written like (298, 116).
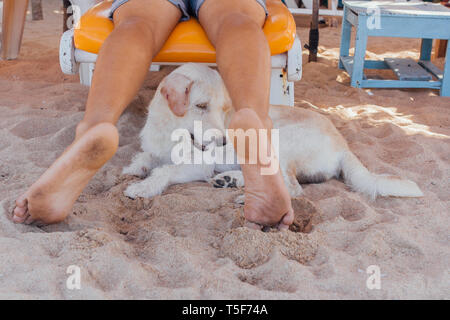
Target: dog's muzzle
(197, 145)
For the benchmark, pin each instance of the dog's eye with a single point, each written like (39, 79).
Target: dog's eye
(202, 105)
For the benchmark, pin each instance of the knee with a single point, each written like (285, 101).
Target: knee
(137, 28)
(239, 22)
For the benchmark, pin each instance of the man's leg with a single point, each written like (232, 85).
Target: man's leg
(141, 28)
(243, 59)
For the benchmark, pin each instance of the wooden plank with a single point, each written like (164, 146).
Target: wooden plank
(400, 9)
(407, 69)
(375, 64)
(368, 64)
(352, 17)
(322, 12)
(347, 63)
(400, 84)
(430, 67)
(412, 27)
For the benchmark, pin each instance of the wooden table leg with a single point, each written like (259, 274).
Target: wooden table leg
(14, 13)
(425, 49)
(346, 35)
(445, 89)
(439, 48)
(360, 52)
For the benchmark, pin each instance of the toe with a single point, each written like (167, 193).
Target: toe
(19, 211)
(21, 201)
(252, 225)
(287, 220)
(283, 227)
(20, 218)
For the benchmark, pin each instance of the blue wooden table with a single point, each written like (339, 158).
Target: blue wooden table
(426, 21)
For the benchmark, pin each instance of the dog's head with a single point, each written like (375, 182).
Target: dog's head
(195, 92)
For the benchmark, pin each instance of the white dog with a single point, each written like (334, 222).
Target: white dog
(310, 147)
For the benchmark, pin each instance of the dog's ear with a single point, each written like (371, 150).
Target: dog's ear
(176, 89)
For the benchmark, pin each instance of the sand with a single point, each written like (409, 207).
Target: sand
(189, 242)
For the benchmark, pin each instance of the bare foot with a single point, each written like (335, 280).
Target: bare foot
(267, 200)
(51, 197)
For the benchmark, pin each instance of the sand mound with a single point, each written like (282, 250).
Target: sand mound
(251, 248)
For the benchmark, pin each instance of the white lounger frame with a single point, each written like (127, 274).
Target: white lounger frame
(286, 67)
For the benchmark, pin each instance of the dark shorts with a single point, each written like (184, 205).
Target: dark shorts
(189, 8)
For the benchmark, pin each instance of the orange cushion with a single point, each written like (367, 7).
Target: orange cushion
(188, 42)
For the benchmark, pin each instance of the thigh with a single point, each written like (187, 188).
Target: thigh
(161, 16)
(213, 12)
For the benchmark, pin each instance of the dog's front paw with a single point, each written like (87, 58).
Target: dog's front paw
(135, 170)
(230, 179)
(140, 166)
(140, 189)
(133, 191)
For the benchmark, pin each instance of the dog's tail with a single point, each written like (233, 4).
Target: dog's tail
(362, 180)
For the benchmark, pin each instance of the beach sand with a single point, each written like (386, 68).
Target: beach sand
(188, 243)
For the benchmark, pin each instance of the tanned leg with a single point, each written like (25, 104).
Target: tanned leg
(141, 28)
(243, 59)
